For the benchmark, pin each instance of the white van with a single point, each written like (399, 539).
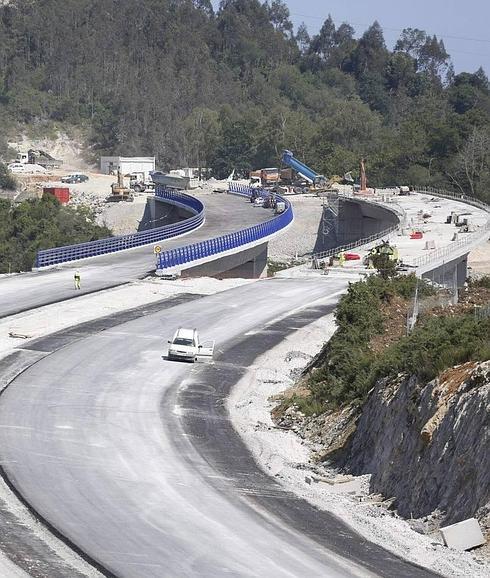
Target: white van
(185, 345)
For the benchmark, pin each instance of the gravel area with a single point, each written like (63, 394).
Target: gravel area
(300, 237)
(479, 261)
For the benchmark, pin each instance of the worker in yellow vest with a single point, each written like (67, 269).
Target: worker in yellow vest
(76, 278)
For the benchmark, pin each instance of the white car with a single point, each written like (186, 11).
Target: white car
(185, 345)
(16, 168)
(26, 168)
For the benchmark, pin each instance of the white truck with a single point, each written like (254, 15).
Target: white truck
(186, 345)
(139, 184)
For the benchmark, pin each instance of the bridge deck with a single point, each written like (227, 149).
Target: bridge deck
(224, 214)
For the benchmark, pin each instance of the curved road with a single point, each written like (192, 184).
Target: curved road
(128, 454)
(224, 214)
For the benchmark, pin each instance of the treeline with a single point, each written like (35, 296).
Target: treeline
(27, 227)
(231, 89)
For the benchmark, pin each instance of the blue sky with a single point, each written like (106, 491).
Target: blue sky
(464, 25)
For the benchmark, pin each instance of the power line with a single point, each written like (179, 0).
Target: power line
(467, 39)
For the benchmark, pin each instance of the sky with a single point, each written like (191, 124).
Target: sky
(463, 25)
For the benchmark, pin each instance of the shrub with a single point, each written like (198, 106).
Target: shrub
(7, 181)
(350, 369)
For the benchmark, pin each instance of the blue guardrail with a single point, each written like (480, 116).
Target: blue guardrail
(57, 255)
(203, 249)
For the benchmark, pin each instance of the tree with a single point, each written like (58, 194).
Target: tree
(411, 42)
(324, 41)
(303, 38)
(472, 165)
(7, 181)
(469, 91)
(371, 54)
(279, 16)
(385, 266)
(433, 58)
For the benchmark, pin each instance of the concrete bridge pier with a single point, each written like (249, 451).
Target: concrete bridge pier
(451, 274)
(246, 264)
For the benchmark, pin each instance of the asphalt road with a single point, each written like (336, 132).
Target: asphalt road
(125, 453)
(224, 214)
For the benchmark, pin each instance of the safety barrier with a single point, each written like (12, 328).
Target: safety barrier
(246, 191)
(213, 247)
(364, 243)
(57, 255)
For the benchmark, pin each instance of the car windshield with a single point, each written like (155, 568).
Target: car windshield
(182, 341)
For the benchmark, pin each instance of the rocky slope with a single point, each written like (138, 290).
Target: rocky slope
(426, 447)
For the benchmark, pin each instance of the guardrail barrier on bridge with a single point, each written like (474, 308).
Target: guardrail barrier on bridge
(213, 247)
(58, 255)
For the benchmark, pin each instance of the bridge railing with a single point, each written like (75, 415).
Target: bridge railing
(173, 258)
(364, 242)
(58, 255)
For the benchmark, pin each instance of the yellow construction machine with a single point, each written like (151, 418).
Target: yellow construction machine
(119, 192)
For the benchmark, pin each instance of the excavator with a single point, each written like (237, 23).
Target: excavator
(119, 192)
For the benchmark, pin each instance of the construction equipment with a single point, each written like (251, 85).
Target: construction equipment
(315, 180)
(174, 181)
(384, 248)
(139, 184)
(39, 157)
(267, 176)
(363, 177)
(119, 192)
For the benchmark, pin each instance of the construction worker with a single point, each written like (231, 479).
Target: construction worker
(76, 278)
(341, 258)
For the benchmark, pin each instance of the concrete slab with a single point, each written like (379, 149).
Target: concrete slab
(463, 535)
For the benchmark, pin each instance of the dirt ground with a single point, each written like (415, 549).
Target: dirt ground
(479, 261)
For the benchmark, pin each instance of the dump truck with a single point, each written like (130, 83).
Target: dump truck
(139, 184)
(267, 176)
(39, 157)
(316, 180)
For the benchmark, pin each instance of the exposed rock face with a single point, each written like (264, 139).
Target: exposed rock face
(428, 446)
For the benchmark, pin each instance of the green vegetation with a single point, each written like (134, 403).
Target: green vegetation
(385, 266)
(7, 181)
(231, 89)
(41, 224)
(350, 368)
(483, 282)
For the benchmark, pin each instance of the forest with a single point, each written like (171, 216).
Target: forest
(36, 224)
(230, 89)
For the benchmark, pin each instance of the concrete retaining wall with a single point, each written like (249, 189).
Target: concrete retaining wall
(158, 213)
(356, 220)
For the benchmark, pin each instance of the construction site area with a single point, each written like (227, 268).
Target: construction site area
(294, 232)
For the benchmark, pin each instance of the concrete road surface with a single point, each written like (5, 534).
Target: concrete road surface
(104, 442)
(224, 214)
